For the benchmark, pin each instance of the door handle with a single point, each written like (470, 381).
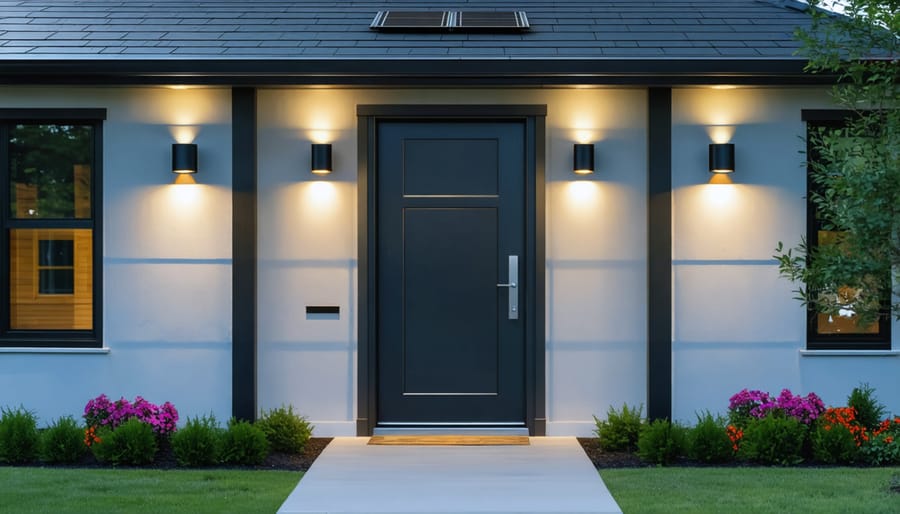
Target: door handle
(512, 286)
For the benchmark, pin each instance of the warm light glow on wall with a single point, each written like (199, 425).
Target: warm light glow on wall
(184, 134)
(720, 134)
(582, 195)
(321, 137)
(721, 106)
(718, 195)
(184, 198)
(584, 136)
(320, 195)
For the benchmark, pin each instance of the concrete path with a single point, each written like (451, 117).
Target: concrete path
(552, 475)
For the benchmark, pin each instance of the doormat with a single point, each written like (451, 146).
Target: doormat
(450, 440)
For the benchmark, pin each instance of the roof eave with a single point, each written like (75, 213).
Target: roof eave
(425, 72)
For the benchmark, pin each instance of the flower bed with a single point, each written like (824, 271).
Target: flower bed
(141, 433)
(759, 429)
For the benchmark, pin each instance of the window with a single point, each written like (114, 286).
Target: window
(50, 216)
(842, 331)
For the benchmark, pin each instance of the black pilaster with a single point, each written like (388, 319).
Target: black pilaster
(243, 223)
(659, 258)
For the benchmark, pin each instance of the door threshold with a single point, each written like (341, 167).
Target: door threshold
(487, 431)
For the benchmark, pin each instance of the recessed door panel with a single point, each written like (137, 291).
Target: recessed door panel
(450, 213)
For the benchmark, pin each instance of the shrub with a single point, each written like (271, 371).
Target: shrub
(62, 442)
(833, 443)
(132, 443)
(621, 430)
(197, 443)
(774, 439)
(244, 444)
(869, 412)
(101, 412)
(18, 436)
(708, 441)
(661, 442)
(883, 447)
(285, 431)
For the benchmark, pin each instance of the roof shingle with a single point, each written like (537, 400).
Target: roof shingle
(205, 29)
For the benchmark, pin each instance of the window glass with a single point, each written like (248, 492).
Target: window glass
(841, 330)
(50, 171)
(51, 279)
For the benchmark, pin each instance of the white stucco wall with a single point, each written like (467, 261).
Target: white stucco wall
(596, 250)
(735, 324)
(166, 262)
(167, 254)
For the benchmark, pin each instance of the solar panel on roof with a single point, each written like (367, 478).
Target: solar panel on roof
(503, 19)
(450, 20)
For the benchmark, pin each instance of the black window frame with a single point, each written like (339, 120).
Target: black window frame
(816, 119)
(53, 338)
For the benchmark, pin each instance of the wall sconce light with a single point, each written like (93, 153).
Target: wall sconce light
(184, 158)
(584, 159)
(321, 159)
(721, 158)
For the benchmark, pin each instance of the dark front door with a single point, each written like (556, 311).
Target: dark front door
(450, 240)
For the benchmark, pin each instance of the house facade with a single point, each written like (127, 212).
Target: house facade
(452, 269)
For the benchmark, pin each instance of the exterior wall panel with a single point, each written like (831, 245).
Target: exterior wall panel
(596, 247)
(166, 263)
(735, 323)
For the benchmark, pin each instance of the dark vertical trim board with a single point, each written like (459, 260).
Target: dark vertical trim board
(244, 200)
(537, 348)
(365, 382)
(659, 254)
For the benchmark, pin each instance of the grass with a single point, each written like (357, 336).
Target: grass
(682, 490)
(59, 490)
(738, 490)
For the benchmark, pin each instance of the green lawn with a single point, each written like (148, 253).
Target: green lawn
(753, 490)
(668, 490)
(58, 490)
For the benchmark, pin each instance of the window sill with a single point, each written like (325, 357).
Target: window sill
(55, 350)
(850, 353)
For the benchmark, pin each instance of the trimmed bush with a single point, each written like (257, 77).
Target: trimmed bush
(244, 444)
(661, 442)
(833, 443)
(19, 438)
(774, 439)
(132, 443)
(869, 412)
(708, 441)
(286, 432)
(621, 429)
(63, 442)
(197, 443)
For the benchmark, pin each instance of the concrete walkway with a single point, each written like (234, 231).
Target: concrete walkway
(552, 475)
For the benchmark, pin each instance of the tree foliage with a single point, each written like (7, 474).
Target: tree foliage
(856, 175)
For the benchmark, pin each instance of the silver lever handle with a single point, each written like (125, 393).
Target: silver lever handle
(512, 285)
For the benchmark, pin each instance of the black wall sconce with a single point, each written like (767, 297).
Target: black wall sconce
(583, 159)
(721, 158)
(321, 159)
(184, 158)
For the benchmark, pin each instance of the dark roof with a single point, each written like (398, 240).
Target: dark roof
(154, 34)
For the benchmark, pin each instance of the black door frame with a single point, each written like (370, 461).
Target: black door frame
(534, 117)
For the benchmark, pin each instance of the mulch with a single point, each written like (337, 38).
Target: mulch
(605, 459)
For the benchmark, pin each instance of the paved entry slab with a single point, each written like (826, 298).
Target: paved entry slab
(551, 475)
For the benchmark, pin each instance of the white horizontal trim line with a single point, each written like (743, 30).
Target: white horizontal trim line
(850, 353)
(27, 349)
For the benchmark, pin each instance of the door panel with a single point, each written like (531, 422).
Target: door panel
(450, 210)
